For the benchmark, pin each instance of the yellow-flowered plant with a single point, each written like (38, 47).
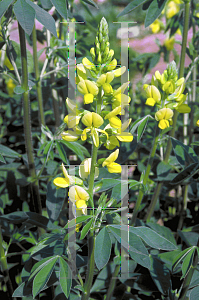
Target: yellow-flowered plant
(166, 93)
(98, 122)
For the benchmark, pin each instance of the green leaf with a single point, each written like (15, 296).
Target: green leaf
(163, 231)
(61, 152)
(25, 15)
(154, 10)
(86, 229)
(74, 147)
(43, 276)
(131, 6)
(65, 276)
(185, 174)
(184, 154)
(180, 257)
(77, 220)
(187, 262)
(135, 246)
(141, 125)
(102, 248)
(2, 159)
(44, 18)
(107, 184)
(194, 294)
(61, 7)
(7, 152)
(4, 5)
(163, 170)
(19, 90)
(161, 276)
(91, 2)
(54, 200)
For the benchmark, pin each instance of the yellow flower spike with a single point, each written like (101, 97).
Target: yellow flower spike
(72, 120)
(85, 167)
(82, 87)
(109, 77)
(119, 72)
(70, 136)
(169, 43)
(77, 193)
(107, 88)
(164, 115)
(115, 122)
(112, 65)
(113, 113)
(88, 64)
(169, 87)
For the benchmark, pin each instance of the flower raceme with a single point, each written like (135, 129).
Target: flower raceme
(109, 162)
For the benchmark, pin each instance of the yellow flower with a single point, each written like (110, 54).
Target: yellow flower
(88, 64)
(169, 87)
(197, 123)
(153, 95)
(70, 135)
(112, 65)
(89, 89)
(77, 193)
(85, 167)
(164, 116)
(172, 9)
(79, 208)
(113, 113)
(122, 135)
(120, 99)
(10, 85)
(72, 120)
(109, 162)
(155, 26)
(119, 72)
(115, 122)
(92, 121)
(64, 182)
(107, 88)
(169, 43)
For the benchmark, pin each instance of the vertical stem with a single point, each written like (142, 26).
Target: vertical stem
(4, 266)
(37, 77)
(27, 123)
(184, 207)
(181, 73)
(54, 93)
(91, 241)
(112, 283)
(145, 179)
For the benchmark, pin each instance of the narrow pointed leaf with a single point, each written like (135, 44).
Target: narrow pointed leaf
(61, 7)
(131, 6)
(65, 276)
(4, 5)
(154, 10)
(86, 229)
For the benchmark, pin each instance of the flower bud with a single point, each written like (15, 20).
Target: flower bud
(112, 65)
(107, 88)
(110, 54)
(88, 64)
(92, 87)
(92, 52)
(169, 87)
(82, 88)
(119, 71)
(109, 77)
(101, 80)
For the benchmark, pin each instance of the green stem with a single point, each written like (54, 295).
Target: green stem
(184, 207)
(145, 179)
(91, 241)
(181, 73)
(27, 123)
(4, 266)
(112, 283)
(37, 77)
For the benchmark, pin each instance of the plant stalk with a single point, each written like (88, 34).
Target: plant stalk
(112, 283)
(145, 179)
(27, 123)
(4, 266)
(37, 77)
(181, 73)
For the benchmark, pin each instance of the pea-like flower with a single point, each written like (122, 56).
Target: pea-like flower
(78, 196)
(61, 182)
(89, 89)
(164, 116)
(109, 162)
(156, 26)
(169, 43)
(71, 135)
(85, 167)
(92, 120)
(172, 9)
(153, 95)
